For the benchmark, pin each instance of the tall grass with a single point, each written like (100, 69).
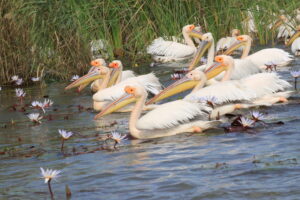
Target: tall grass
(56, 35)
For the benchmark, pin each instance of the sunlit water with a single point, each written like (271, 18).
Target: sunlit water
(215, 165)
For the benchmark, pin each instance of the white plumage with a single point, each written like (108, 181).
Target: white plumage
(172, 114)
(246, 89)
(171, 51)
(296, 47)
(149, 81)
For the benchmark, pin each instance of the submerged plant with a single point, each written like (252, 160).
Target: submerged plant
(50, 175)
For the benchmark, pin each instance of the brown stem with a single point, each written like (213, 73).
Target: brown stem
(62, 145)
(50, 190)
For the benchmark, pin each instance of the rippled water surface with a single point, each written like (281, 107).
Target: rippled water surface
(214, 165)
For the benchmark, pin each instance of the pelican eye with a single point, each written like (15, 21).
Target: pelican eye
(219, 59)
(129, 90)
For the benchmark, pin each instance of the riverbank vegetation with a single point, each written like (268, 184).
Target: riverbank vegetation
(53, 38)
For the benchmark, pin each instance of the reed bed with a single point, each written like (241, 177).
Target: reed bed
(52, 38)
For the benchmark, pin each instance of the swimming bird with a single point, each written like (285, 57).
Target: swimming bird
(242, 67)
(260, 58)
(166, 120)
(246, 89)
(170, 51)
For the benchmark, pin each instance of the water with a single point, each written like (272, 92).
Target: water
(215, 165)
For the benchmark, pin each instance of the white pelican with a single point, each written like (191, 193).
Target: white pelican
(260, 58)
(247, 89)
(249, 23)
(169, 51)
(242, 68)
(166, 120)
(284, 26)
(295, 41)
(224, 43)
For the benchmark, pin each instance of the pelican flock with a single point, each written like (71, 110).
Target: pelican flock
(222, 85)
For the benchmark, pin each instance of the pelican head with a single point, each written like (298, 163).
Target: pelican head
(294, 37)
(192, 31)
(117, 67)
(96, 72)
(222, 63)
(189, 81)
(242, 40)
(132, 93)
(207, 41)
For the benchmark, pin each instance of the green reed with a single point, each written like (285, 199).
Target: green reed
(52, 38)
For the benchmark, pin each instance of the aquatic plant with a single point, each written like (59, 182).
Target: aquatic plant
(117, 137)
(50, 175)
(246, 122)
(257, 116)
(35, 118)
(296, 75)
(54, 38)
(65, 136)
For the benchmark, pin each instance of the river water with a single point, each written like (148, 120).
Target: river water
(261, 164)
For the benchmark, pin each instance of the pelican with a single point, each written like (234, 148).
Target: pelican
(284, 26)
(116, 75)
(247, 89)
(295, 41)
(242, 68)
(169, 51)
(166, 120)
(260, 58)
(225, 42)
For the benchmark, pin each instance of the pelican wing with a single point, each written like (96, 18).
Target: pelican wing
(149, 81)
(161, 47)
(172, 114)
(275, 55)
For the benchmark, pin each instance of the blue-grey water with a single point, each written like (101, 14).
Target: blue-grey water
(213, 165)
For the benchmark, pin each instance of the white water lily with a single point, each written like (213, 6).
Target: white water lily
(74, 77)
(117, 137)
(20, 92)
(295, 74)
(246, 122)
(257, 116)
(19, 81)
(65, 134)
(14, 78)
(49, 174)
(37, 104)
(176, 76)
(35, 117)
(35, 79)
(47, 103)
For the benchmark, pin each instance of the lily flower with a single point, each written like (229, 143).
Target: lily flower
(47, 103)
(246, 122)
(49, 175)
(117, 137)
(295, 74)
(257, 116)
(20, 93)
(65, 134)
(35, 118)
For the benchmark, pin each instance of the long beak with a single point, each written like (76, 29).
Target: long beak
(179, 86)
(203, 47)
(277, 24)
(116, 105)
(233, 47)
(214, 70)
(294, 37)
(195, 34)
(89, 77)
(115, 73)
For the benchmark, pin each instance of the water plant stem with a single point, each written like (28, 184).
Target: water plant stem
(62, 145)
(50, 189)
